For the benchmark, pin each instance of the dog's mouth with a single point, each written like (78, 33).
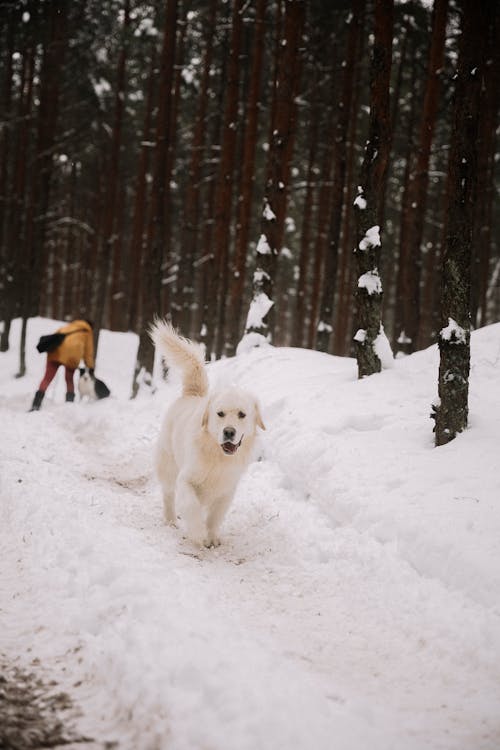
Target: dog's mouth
(230, 448)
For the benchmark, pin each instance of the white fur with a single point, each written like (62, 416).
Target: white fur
(197, 475)
(86, 386)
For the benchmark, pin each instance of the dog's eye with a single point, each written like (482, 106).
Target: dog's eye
(241, 415)
(221, 414)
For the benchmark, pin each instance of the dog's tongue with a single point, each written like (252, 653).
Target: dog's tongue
(229, 447)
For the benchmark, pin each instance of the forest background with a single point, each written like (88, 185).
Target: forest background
(144, 146)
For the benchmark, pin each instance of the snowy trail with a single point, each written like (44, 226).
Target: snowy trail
(311, 625)
(294, 601)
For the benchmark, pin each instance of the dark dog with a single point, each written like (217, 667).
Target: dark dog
(90, 386)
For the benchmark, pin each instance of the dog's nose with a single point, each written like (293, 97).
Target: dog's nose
(228, 433)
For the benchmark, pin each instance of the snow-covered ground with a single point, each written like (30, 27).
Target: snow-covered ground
(353, 604)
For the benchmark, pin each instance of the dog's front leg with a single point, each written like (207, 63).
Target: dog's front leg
(169, 507)
(190, 509)
(215, 517)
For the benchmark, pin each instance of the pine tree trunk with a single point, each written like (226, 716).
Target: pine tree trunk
(260, 319)
(191, 213)
(399, 336)
(224, 189)
(157, 226)
(5, 141)
(325, 325)
(343, 325)
(322, 210)
(486, 188)
(107, 250)
(369, 289)
(35, 256)
(451, 414)
(245, 199)
(204, 319)
(299, 312)
(136, 250)
(170, 292)
(416, 207)
(14, 226)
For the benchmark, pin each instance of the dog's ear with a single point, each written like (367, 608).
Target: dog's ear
(258, 417)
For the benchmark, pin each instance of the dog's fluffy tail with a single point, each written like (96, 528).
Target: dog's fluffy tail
(181, 353)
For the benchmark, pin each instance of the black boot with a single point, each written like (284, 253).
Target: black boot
(70, 397)
(37, 401)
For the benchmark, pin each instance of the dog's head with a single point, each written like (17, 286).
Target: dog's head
(231, 417)
(86, 383)
(85, 375)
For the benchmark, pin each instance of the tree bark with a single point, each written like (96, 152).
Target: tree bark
(224, 189)
(402, 259)
(261, 315)
(484, 208)
(415, 214)
(108, 259)
(299, 312)
(369, 289)
(344, 312)
(34, 255)
(245, 199)
(136, 250)
(325, 325)
(451, 414)
(157, 226)
(191, 213)
(15, 229)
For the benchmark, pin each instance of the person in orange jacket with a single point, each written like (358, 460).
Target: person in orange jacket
(78, 344)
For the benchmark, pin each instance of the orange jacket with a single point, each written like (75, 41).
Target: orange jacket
(75, 347)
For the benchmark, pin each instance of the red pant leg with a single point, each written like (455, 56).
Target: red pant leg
(68, 374)
(50, 372)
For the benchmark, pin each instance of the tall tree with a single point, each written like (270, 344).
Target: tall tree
(139, 213)
(109, 247)
(305, 239)
(5, 132)
(343, 314)
(369, 289)
(409, 130)
(451, 414)
(157, 227)
(413, 220)
(245, 198)
(260, 319)
(15, 198)
(34, 256)
(191, 205)
(325, 326)
(224, 189)
(487, 155)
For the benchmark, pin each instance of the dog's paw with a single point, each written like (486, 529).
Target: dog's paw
(211, 542)
(170, 520)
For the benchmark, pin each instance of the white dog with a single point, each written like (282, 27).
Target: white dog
(205, 442)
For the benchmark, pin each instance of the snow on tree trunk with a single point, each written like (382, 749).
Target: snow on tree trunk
(259, 318)
(451, 413)
(262, 302)
(367, 251)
